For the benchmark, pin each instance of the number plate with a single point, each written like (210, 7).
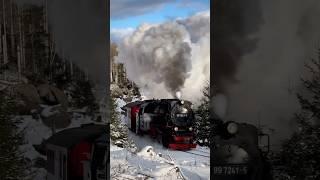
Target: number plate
(230, 170)
(182, 115)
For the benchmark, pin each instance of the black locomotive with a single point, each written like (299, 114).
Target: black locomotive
(236, 153)
(169, 120)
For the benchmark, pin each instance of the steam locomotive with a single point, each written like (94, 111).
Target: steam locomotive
(168, 120)
(237, 154)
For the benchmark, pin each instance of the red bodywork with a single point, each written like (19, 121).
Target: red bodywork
(179, 143)
(134, 110)
(182, 146)
(77, 154)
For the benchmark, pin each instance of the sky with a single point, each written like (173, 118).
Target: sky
(126, 15)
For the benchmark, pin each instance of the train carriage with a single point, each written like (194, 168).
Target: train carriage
(77, 153)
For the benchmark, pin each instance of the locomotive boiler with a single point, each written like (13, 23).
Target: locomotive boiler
(168, 120)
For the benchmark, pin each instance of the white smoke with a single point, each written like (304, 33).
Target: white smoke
(165, 58)
(219, 104)
(178, 95)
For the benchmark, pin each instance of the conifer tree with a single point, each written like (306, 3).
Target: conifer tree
(12, 162)
(301, 152)
(118, 132)
(202, 124)
(83, 96)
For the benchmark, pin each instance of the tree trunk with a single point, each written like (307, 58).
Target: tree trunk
(71, 69)
(23, 58)
(0, 40)
(46, 26)
(19, 61)
(12, 29)
(20, 53)
(4, 37)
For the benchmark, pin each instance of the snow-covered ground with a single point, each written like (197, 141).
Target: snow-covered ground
(156, 162)
(36, 132)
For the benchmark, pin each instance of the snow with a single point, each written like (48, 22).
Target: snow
(156, 162)
(40, 173)
(81, 110)
(120, 103)
(127, 165)
(192, 166)
(36, 132)
(49, 110)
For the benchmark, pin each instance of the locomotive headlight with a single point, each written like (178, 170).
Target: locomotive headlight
(190, 128)
(184, 110)
(176, 129)
(232, 128)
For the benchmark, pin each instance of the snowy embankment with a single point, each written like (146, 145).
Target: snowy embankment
(36, 131)
(156, 162)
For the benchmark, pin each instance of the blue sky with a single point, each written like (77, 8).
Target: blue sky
(128, 14)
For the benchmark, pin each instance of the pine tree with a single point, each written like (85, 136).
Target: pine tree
(301, 152)
(83, 96)
(12, 162)
(202, 123)
(136, 91)
(118, 132)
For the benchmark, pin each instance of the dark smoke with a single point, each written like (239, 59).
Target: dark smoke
(176, 73)
(173, 56)
(266, 73)
(158, 54)
(234, 23)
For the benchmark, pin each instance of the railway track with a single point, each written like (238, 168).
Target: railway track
(203, 155)
(205, 152)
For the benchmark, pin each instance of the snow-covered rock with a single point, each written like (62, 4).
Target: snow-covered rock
(57, 115)
(27, 98)
(120, 103)
(147, 152)
(52, 95)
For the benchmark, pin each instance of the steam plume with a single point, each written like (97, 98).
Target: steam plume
(267, 74)
(169, 57)
(234, 24)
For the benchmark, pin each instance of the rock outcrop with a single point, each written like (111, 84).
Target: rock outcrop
(51, 95)
(26, 97)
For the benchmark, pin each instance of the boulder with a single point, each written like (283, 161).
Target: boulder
(56, 116)
(51, 95)
(116, 91)
(27, 98)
